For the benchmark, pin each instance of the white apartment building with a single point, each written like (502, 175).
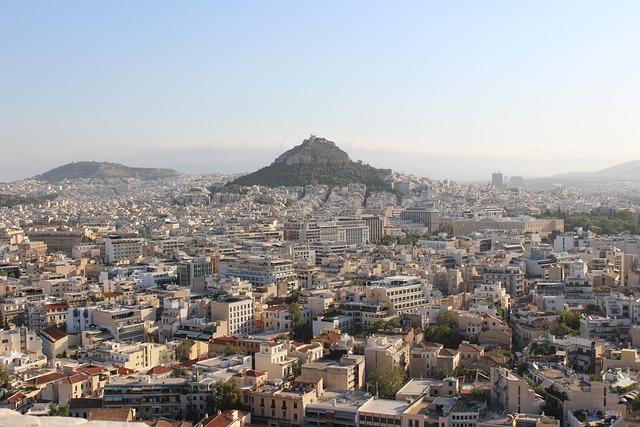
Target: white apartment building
(174, 310)
(124, 323)
(399, 294)
(20, 339)
(122, 247)
(261, 270)
(237, 311)
(279, 319)
(490, 293)
(381, 350)
(274, 359)
(342, 323)
(137, 356)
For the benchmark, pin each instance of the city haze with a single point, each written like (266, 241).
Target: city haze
(446, 91)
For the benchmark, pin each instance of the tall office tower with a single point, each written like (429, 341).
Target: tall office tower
(429, 217)
(193, 272)
(496, 179)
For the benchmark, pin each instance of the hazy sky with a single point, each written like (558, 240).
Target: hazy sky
(444, 89)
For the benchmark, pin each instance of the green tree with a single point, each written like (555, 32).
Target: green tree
(569, 324)
(386, 380)
(499, 310)
(225, 396)
(445, 330)
(522, 368)
(183, 350)
(231, 349)
(561, 330)
(358, 329)
(635, 403)
(296, 314)
(179, 372)
(601, 221)
(293, 297)
(301, 330)
(571, 319)
(552, 410)
(446, 227)
(392, 324)
(480, 394)
(4, 376)
(191, 413)
(297, 369)
(381, 325)
(444, 373)
(56, 410)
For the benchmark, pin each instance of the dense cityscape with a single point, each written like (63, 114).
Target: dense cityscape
(359, 297)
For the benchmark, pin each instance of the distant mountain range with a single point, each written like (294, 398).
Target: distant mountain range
(628, 171)
(317, 161)
(78, 170)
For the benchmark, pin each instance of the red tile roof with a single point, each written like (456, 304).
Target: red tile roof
(159, 370)
(91, 370)
(47, 378)
(223, 419)
(124, 371)
(55, 333)
(17, 397)
(224, 340)
(74, 379)
(111, 294)
(110, 414)
(56, 306)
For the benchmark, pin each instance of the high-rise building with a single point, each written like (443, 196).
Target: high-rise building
(496, 179)
(429, 217)
(192, 272)
(375, 224)
(356, 231)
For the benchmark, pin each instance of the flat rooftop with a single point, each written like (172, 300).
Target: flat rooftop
(145, 380)
(384, 406)
(341, 399)
(417, 386)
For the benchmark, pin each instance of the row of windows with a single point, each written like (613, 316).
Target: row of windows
(464, 417)
(397, 422)
(416, 423)
(405, 291)
(284, 414)
(380, 420)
